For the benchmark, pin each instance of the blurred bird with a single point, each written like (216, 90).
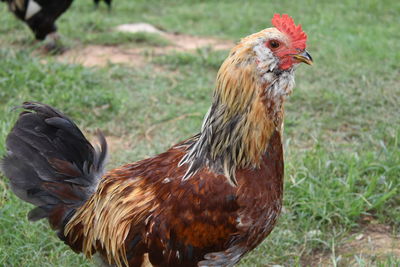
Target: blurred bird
(206, 201)
(40, 16)
(108, 2)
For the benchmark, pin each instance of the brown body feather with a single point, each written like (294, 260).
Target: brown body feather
(146, 204)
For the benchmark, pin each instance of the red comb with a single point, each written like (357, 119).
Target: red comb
(286, 25)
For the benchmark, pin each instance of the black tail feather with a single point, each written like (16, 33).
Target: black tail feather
(51, 164)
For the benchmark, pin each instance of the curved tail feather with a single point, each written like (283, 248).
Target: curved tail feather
(51, 164)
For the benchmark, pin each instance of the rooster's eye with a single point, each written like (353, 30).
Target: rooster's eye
(274, 44)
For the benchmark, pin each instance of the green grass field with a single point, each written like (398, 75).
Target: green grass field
(342, 126)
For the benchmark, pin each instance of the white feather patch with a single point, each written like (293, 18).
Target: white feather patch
(32, 9)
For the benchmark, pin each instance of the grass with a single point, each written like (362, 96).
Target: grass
(342, 126)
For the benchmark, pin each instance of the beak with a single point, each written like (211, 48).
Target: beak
(304, 56)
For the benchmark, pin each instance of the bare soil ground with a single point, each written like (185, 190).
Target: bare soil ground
(101, 55)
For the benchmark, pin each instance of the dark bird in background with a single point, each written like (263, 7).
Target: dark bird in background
(108, 2)
(206, 201)
(40, 16)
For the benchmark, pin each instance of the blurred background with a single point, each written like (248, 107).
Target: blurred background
(149, 90)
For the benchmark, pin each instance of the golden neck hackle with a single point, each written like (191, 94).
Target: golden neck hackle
(240, 92)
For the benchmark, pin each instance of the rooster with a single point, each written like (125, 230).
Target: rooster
(40, 16)
(206, 201)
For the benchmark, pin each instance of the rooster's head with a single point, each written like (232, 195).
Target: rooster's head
(280, 48)
(262, 65)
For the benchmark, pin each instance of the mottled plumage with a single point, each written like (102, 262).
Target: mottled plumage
(206, 201)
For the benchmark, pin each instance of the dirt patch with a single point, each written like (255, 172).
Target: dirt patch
(102, 55)
(180, 42)
(374, 242)
(187, 42)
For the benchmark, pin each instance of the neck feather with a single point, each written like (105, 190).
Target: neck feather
(246, 110)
